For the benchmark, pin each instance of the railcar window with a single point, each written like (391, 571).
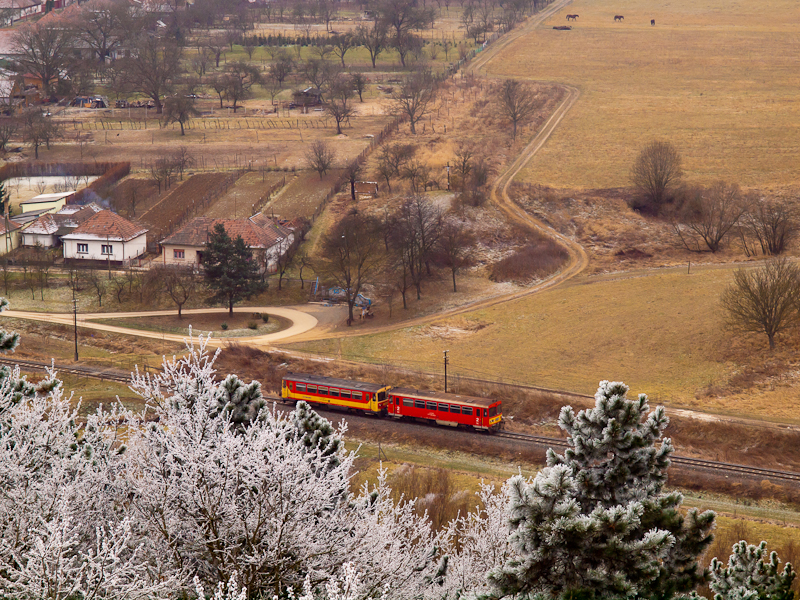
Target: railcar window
(466, 410)
(444, 407)
(430, 405)
(356, 395)
(334, 393)
(345, 393)
(455, 409)
(408, 402)
(419, 403)
(381, 396)
(312, 389)
(493, 411)
(323, 390)
(300, 387)
(485, 412)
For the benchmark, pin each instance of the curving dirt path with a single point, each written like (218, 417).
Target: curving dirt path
(301, 322)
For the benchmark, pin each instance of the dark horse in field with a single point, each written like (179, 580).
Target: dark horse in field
(572, 17)
(652, 21)
(619, 18)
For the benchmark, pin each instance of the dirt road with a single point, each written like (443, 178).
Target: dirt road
(301, 322)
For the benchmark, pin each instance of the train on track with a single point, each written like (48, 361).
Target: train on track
(452, 410)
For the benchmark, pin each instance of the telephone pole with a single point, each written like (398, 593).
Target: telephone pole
(446, 361)
(75, 321)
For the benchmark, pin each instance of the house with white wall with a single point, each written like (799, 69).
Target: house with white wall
(105, 236)
(48, 229)
(267, 241)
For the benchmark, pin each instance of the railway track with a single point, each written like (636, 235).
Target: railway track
(774, 475)
(94, 373)
(692, 463)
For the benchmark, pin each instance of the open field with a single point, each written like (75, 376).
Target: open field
(660, 331)
(245, 195)
(717, 80)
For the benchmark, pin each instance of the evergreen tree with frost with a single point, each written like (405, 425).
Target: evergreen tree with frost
(596, 522)
(242, 402)
(748, 576)
(316, 433)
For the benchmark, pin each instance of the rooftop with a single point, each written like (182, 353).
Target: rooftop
(107, 225)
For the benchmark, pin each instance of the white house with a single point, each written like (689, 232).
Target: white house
(105, 236)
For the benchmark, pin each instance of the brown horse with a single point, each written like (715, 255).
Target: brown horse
(619, 18)
(572, 17)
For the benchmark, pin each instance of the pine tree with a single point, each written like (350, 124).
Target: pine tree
(596, 522)
(749, 577)
(242, 401)
(317, 433)
(230, 269)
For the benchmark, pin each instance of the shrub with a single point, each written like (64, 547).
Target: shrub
(224, 326)
(265, 317)
(535, 259)
(252, 325)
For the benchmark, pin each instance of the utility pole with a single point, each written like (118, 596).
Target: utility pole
(448, 176)
(446, 361)
(75, 320)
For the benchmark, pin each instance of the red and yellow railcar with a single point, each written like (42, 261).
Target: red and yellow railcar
(446, 409)
(359, 395)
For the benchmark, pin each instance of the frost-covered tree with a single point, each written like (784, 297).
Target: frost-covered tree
(268, 497)
(750, 575)
(596, 521)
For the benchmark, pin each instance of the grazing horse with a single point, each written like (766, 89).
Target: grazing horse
(652, 21)
(572, 17)
(619, 18)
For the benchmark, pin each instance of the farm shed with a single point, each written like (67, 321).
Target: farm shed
(267, 241)
(49, 202)
(9, 239)
(105, 236)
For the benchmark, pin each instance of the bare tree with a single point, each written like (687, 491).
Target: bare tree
(320, 157)
(462, 165)
(153, 67)
(414, 97)
(764, 299)
(353, 256)
(181, 285)
(44, 49)
(342, 43)
(353, 173)
(359, 83)
(98, 283)
(219, 83)
(282, 66)
(709, 215)
(518, 103)
(339, 105)
(182, 159)
(287, 251)
(656, 170)
(103, 25)
(773, 224)
(249, 47)
(392, 159)
(8, 128)
(180, 109)
(374, 39)
(241, 78)
(37, 129)
(217, 45)
(455, 247)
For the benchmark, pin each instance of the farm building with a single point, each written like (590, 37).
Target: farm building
(267, 241)
(307, 97)
(105, 236)
(47, 229)
(9, 239)
(48, 202)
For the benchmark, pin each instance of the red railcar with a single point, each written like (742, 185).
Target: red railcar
(446, 409)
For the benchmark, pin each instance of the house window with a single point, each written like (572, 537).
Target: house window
(106, 249)
(83, 248)
(178, 254)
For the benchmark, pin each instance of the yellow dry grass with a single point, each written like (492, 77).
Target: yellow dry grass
(716, 78)
(661, 331)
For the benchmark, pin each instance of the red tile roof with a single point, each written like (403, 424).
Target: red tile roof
(12, 225)
(107, 225)
(195, 233)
